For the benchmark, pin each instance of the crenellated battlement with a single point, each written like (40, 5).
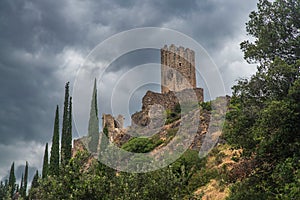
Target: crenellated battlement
(177, 69)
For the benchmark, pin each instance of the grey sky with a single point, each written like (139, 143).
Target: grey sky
(44, 42)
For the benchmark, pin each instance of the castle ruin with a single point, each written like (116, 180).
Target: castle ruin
(177, 69)
(178, 79)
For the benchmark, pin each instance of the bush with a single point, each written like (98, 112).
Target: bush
(141, 145)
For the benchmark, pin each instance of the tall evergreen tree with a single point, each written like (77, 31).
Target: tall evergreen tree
(68, 154)
(93, 129)
(45, 163)
(54, 157)
(66, 140)
(25, 180)
(12, 179)
(34, 185)
(34, 182)
(21, 185)
(65, 125)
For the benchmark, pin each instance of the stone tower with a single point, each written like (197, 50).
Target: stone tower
(177, 69)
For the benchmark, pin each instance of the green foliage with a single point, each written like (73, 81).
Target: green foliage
(177, 108)
(12, 180)
(206, 105)
(54, 157)
(23, 190)
(275, 27)
(171, 116)
(141, 145)
(93, 129)
(69, 132)
(34, 185)
(104, 142)
(4, 190)
(66, 138)
(264, 111)
(101, 182)
(35, 179)
(45, 163)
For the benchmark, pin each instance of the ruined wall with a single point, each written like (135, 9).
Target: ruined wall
(177, 68)
(111, 123)
(167, 100)
(114, 126)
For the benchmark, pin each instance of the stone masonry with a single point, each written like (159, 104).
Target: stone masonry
(177, 69)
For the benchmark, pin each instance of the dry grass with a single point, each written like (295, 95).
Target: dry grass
(219, 159)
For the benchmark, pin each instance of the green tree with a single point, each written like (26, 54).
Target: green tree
(93, 129)
(12, 179)
(264, 112)
(45, 163)
(275, 27)
(54, 157)
(25, 180)
(35, 179)
(34, 186)
(21, 185)
(66, 140)
(4, 190)
(276, 51)
(65, 128)
(69, 132)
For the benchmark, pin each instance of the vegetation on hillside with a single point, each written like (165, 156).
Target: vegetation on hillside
(265, 109)
(259, 160)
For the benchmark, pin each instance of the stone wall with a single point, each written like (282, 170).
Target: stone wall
(177, 68)
(167, 100)
(116, 132)
(111, 123)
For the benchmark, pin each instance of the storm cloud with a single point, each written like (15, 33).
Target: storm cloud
(44, 42)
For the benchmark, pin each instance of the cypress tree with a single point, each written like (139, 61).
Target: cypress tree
(25, 180)
(34, 183)
(45, 163)
(54, 157)
(65, 128)
(68, 153)
(93, 129)
(12, 179)
(21, 186)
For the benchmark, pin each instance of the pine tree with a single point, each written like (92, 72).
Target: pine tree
(66, 140)
(12, 179)
(93, 129)
(54, 157)
(45, 163)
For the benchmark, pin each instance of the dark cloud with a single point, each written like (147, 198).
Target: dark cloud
(44, 42)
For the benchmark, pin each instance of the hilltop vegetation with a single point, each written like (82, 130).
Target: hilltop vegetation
(261, 155)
